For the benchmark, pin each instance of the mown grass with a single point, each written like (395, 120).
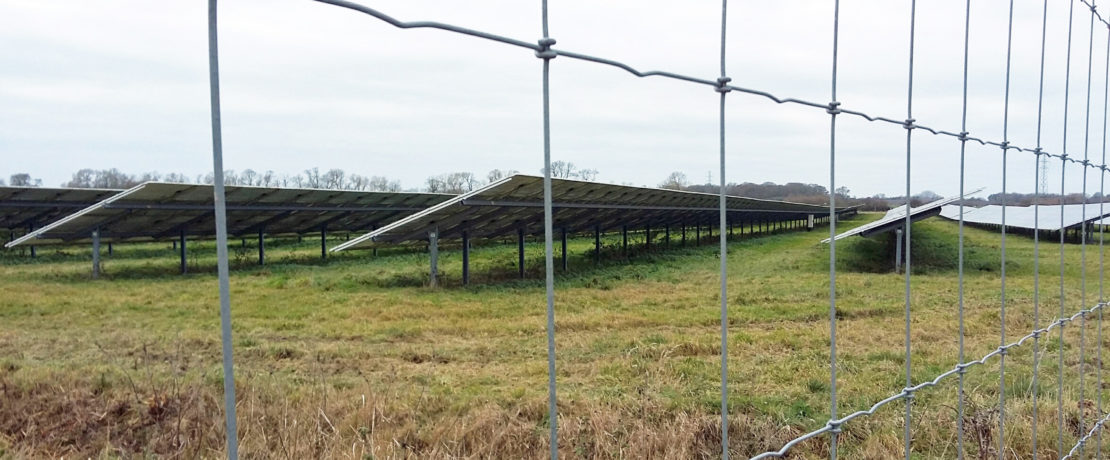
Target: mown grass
(354, 357)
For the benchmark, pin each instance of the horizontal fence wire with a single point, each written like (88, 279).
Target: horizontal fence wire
(543, 49)
(1077, 449)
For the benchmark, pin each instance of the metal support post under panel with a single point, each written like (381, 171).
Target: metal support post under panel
(898, 250)
(433, 250)
(597, 244)
(181, 246)
(96, 253)
(466, 258)
(624, 235)
(564, 249)
(520, 250)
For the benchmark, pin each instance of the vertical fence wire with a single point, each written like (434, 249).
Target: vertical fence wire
(722, 88)
(909, 136)
(1083, 225)
(1002, 310)
(221, 235)
(960, 244)
(548, 251)
(1037, 158)
(1063, 176)
(1101, 229)
(833, 110)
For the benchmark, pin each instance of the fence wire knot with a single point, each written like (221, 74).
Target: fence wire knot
(909, 393)
(1003, 350)
(963, 136)
(722, 84)
(909, 123)
(833, 109)
(545, 51)
(834, 426)
(961, 368)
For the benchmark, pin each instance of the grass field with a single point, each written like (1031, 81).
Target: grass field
(356, 358)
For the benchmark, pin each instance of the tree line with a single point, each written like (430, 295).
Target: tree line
(464, 181)
(331, 179)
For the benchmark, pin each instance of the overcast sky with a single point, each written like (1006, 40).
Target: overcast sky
(124, 84)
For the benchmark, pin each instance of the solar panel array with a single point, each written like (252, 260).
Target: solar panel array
(514, 203)
(896, 218)
(155, 210)
(29, 207)
(1046, 218)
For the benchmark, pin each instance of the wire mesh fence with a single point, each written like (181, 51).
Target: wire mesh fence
(1087, 423)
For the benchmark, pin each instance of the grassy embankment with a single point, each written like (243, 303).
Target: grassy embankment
(355, 358)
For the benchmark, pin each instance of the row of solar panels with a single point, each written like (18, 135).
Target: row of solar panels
(1038, 218)
(153, 211)
(1042, 217)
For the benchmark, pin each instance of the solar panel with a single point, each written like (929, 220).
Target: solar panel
(896, 218)
(1046, 218)
(516, 202)
(155, 210)
(24, 207)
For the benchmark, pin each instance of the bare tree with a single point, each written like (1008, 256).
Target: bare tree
(498, 174)
(295, 180)
(230, 178)
(24, 180)
(456, 182)
(675, 181)
(435, 184)
(176, 178)
(248, 177)
(83, 178)
(312, 178)
(568, 170)
(461, 182)
(383, 184)
(333, 179)
(561, 169)
(152, 176)
(356, 182)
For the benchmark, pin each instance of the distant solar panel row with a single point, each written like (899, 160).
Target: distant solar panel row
(159, 211)
(1046, 217)
(896, 218)
(515, 203)
(27, 207)
(155, 210)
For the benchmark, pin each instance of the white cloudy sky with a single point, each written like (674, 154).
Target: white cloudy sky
(118, 83)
